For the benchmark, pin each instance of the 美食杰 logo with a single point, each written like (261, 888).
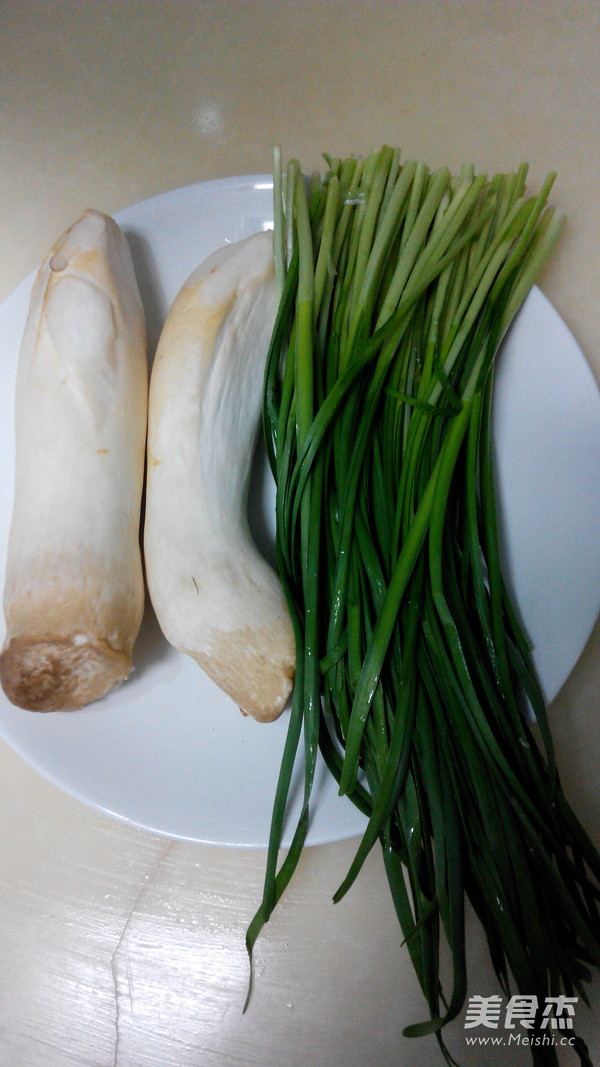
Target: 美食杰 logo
(520, 1020)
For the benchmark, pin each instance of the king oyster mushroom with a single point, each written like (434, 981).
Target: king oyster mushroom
(74, 591)
(215, 596)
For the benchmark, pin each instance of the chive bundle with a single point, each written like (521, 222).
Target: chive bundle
(398, 284)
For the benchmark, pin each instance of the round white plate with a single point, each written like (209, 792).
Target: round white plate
(170, 753)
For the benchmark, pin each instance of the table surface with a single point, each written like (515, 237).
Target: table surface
(119, 947)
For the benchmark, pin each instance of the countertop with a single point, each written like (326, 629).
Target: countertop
(118, 947)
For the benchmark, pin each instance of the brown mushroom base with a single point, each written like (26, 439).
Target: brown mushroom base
(60, 674)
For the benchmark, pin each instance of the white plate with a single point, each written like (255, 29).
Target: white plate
(168, 752)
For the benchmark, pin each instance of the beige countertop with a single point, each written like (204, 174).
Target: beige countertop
(117, 946)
